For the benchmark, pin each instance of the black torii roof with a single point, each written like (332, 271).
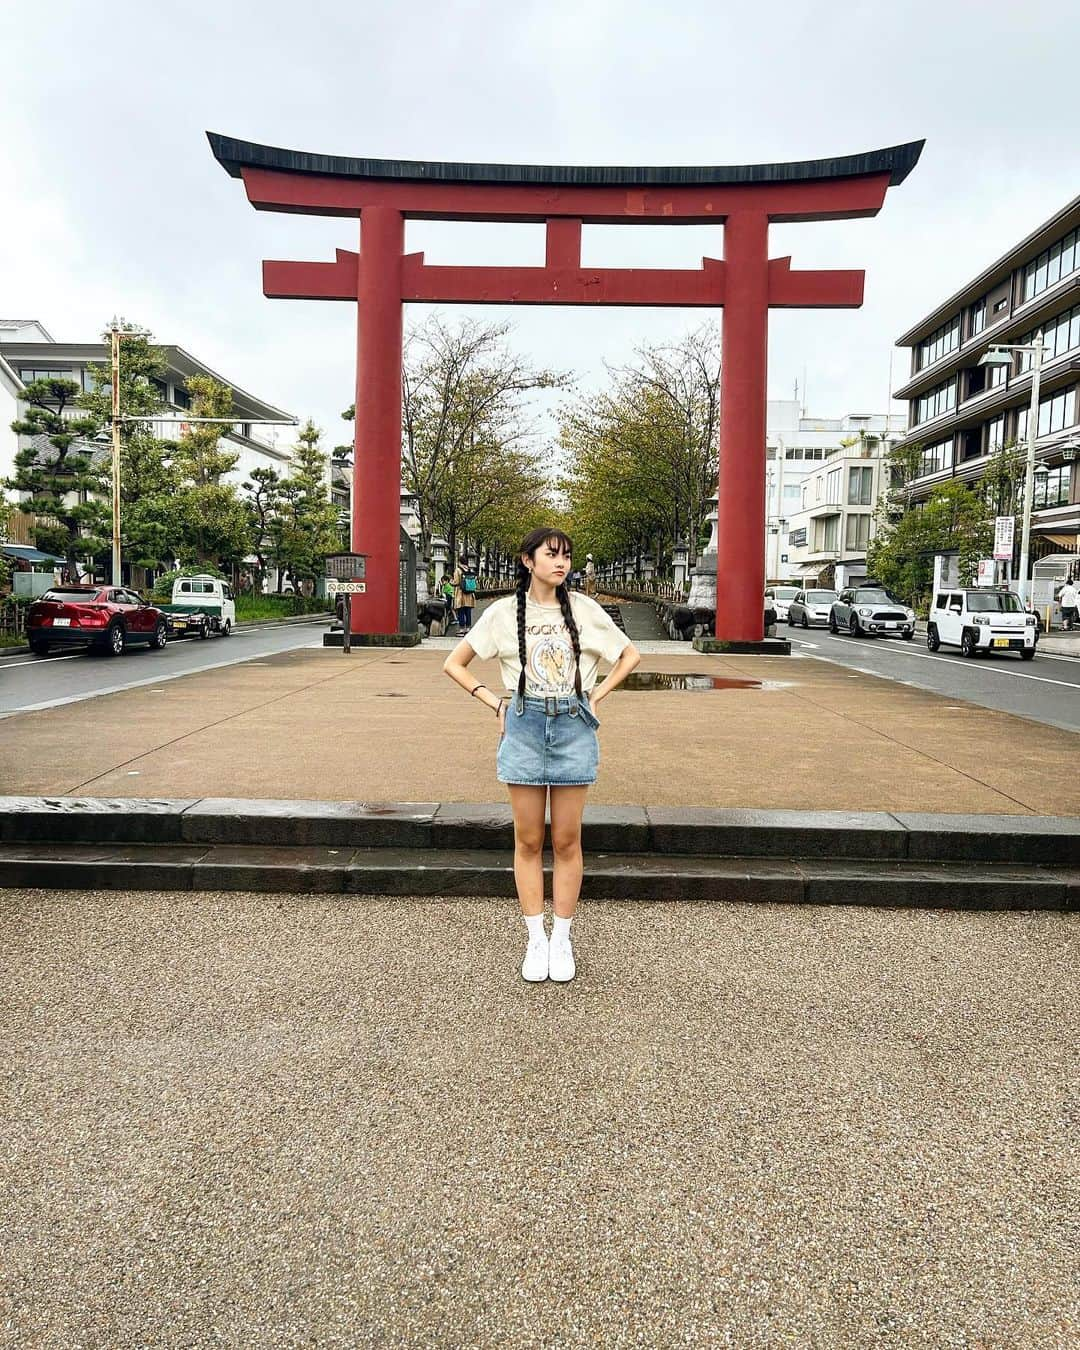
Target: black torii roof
(234, 156)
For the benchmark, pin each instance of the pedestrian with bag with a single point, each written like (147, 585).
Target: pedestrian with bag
(549, 642)
(465, 586)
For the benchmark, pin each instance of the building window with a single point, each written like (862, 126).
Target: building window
(826, 533)
(1059, 260)
(940, 399)
(995, 375)
(832, 486)
(1055, 490)
(28, 374)
(936, 458)
(860, 486)
(942, 341)
(995, 434)
(1056, 412)
(160, 388)
(857, 533)
(181, 398)
(999, 305)
(1060, 335)
(94, 378)
(977, 317)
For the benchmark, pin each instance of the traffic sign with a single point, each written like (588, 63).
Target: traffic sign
(346, 587)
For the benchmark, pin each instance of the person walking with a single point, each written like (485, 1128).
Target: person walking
(1068, 599)
(465, 585)
(549, 643)
(590, 575)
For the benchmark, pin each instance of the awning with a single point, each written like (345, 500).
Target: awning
(27, 553)
(1063, 540)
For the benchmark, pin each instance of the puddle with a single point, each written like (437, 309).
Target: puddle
(646, 681)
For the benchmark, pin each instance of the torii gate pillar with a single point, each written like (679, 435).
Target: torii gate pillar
(746, 284)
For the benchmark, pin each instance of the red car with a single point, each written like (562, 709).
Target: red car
(105, 618)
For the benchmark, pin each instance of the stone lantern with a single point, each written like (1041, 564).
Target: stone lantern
(648, 569)
(679, 555)
(410, 513)
(440, 554)
(703, 576)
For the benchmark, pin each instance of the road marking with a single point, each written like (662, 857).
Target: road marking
(954, 661)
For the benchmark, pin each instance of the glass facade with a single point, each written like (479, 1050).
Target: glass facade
(1060, 335)
(1056, 412)
(936, 457)
(1055, 490)
(940, 399)
(1059, 260)
(942, 341)
(857, 533)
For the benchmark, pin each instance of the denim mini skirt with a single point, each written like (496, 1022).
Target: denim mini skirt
(548, 742)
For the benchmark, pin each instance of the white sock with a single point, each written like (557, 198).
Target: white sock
(560, 931)
(535, 924)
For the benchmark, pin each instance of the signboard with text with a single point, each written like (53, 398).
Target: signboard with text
(1004, 531)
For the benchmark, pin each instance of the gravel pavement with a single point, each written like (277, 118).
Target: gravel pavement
(248, 1120)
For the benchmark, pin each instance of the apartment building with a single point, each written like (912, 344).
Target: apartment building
(960, 412)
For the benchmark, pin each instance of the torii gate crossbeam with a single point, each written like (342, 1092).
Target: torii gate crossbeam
(746, 283)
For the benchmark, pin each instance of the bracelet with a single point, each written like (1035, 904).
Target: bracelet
(475, 687)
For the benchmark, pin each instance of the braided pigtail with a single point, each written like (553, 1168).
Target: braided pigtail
(563, 594)
(522, 587)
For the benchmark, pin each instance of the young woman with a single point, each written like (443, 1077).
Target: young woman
(549, 646)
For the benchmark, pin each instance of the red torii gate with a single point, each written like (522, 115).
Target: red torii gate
(381, 277)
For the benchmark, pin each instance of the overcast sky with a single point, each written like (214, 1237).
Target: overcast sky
(114, 204)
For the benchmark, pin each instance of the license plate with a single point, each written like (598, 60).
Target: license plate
(890, 624)
(61, 623)
(1001, 642)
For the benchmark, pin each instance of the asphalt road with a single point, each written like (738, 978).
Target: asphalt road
(1045, 690)
(28, 683)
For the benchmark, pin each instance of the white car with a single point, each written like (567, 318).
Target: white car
(811, 608)
(980, 620)
(781, 597)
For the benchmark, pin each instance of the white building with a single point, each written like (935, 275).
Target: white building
(28, 352)
(797, 448)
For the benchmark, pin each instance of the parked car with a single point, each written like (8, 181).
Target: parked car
(980, 620)
(101, 618)
(810, 608)
(201, 605)
(781, 597)
(870, 610)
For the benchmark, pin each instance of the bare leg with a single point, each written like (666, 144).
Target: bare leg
(567, 804)
(528, 805)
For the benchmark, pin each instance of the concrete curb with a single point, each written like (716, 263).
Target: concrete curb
(875, 836)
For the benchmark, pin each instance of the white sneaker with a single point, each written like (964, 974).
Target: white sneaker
(535, 965)
(561, 965)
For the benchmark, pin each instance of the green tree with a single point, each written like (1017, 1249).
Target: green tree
(953, 518)
(213, 521)
(304, 527)
(263, 504)
(66, 491)
(148, 482)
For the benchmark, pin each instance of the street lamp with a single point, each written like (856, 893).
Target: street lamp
(998, 355)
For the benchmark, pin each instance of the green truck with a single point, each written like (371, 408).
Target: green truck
(201, 605)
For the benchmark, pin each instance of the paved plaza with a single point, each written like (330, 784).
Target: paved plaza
(387, 725)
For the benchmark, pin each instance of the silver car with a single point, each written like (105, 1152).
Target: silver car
(811, 608)
(870, 610)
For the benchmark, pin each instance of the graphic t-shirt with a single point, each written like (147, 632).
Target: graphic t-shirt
(549, 653)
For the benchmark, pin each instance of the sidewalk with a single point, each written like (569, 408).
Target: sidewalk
(387, 725)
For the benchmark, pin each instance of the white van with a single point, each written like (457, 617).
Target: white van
(980, 620)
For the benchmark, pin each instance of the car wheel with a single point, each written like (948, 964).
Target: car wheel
(967, 643)
(805, 621)
(39, 648)
(204, 630)
(855, 627)
(933, 642)
(790, 620)
(227, 629)
(161, 636)
(832, 624)
(115, 640)
(908, 635)
(1027, 653)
